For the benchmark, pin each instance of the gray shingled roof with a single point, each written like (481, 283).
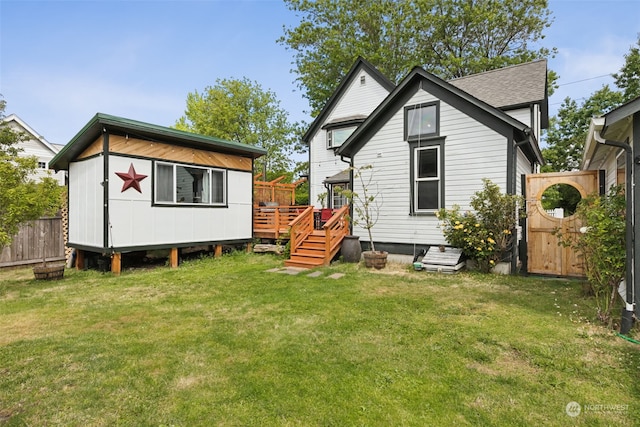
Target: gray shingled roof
(515, 85)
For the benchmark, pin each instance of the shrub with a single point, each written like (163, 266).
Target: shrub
(602, 246)
(487, 234)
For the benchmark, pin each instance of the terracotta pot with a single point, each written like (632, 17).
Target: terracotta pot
(377, 259)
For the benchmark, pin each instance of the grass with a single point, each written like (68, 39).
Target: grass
(222, 342)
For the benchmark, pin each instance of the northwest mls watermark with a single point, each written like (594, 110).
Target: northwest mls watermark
(573, 409)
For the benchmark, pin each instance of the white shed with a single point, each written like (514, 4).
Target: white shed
(136, 186)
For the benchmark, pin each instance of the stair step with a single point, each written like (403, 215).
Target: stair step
(308, 253)
(303, 262)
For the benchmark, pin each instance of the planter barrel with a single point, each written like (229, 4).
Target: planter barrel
(377, 259)
(49, 272)
(351, 249)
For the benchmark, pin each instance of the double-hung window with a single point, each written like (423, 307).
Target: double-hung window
(189, 185)
(427, 191)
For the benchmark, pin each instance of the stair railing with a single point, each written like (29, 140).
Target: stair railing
(334, 231)
(301, 227)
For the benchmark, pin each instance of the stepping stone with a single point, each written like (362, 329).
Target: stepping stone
(336, 276)
(292, 271)
(274, 270)
(315, 274)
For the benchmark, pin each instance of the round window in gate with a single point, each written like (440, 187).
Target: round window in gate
(560, 200)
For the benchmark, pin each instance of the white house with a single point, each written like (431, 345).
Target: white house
(136, 186)
(431, 142)
(36, 145)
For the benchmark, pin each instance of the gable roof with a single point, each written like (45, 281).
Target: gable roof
(360, 63)
(14, 118)
(100, 122)
(419, 78)
(510, 87)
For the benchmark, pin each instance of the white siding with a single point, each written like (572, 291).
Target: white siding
(472, 152)
(356, 99)
(135, 222)
(33, 147)
(85, 202)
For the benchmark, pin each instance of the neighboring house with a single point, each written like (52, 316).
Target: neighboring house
(36, 145)
(430, 142)
(135, 186)
(612, 143)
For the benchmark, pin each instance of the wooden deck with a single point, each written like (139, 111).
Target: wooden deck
(272, 222)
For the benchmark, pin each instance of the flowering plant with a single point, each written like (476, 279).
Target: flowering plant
(486, 234)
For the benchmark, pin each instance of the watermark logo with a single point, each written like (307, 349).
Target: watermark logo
(573, 409)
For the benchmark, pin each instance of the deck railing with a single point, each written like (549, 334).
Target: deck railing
(273, 221)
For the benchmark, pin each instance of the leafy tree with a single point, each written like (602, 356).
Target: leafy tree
(21, 198)
(241, 111)
(451, 38)
(568, 130)
(628, 79)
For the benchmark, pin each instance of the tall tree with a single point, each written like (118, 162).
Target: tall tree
(241, 111)
(450, 38)
(628, 79)
(22, 199)
(567, 131)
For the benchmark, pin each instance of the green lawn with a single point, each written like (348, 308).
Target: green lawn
(223, 342)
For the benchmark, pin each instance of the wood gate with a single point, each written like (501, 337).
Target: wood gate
(544, 255)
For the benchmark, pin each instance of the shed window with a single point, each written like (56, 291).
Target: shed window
(421, 120)
(189, 185)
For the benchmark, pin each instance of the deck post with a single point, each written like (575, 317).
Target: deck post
(79, 259)
(173, 258)
(218, 251)
(116, 263)
(249, 248)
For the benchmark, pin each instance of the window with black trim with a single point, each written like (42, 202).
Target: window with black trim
(421, 120)
(337, 136)
(427, 176)
(190, 185)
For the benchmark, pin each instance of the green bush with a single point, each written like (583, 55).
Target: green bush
(487, 234)
(602, 246)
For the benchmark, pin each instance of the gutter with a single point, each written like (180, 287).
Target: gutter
(627, 312)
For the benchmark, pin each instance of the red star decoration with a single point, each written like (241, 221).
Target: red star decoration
(131, 179)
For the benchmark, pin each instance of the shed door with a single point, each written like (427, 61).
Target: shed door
(544, 255)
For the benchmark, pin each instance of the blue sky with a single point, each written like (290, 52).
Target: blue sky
(63, 61)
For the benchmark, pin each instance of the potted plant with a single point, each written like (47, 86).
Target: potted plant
(366, 207)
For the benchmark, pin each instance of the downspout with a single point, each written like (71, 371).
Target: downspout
(627, 312)
(514, 246)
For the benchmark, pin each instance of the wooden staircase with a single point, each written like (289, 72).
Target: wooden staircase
(314, 248)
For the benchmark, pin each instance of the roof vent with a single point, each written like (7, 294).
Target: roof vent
(363, 80)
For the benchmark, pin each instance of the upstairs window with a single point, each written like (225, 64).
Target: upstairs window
(421, 121)
(189, 185)
(337, 136)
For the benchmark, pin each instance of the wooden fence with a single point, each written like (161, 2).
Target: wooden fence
(42, 238)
